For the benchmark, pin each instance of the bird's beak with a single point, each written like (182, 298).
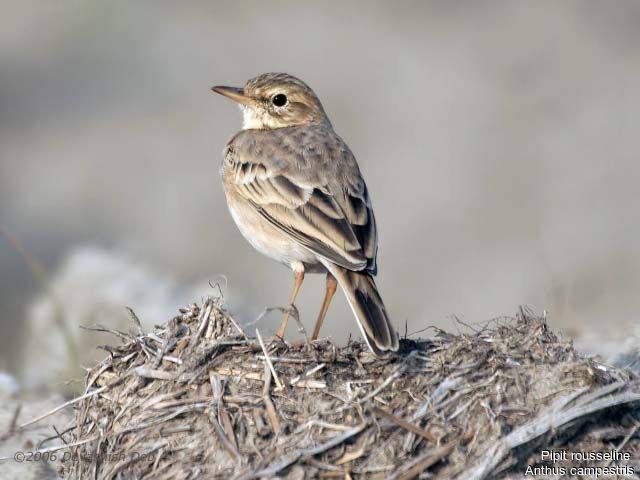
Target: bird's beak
(235, 94)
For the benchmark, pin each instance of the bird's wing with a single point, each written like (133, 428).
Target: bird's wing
(327, 211)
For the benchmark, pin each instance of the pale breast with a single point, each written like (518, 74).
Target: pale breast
(263, 236)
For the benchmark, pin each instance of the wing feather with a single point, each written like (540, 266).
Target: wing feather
(329, 215)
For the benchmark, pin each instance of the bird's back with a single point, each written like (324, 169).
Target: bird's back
(315, 159)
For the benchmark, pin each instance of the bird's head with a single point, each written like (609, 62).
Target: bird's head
(276, 100)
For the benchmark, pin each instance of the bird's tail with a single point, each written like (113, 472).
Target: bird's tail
(364, 299)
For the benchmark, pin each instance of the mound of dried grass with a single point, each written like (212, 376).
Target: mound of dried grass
(198, 398)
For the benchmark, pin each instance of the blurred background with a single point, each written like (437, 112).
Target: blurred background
(499, 140)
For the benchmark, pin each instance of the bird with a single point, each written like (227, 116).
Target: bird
(296, 193)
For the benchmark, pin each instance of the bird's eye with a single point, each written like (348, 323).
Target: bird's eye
(279, 100)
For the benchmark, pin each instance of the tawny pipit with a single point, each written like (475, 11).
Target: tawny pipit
(297, 195)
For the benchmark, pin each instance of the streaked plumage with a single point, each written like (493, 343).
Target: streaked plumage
(297, 195)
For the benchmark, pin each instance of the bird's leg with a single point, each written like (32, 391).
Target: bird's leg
(332, 284)
(298, 277)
